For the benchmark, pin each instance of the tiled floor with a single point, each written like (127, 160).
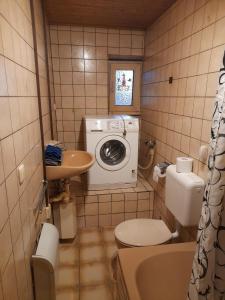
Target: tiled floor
(85, 266)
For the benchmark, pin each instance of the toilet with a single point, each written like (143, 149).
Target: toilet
(184, 194)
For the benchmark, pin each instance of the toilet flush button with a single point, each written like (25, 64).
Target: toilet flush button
(21, 173)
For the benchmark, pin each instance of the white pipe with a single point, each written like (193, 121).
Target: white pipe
(149, 164)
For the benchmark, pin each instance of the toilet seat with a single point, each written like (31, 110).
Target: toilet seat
(142, 232)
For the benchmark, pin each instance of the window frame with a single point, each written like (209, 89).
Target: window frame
(125, 65)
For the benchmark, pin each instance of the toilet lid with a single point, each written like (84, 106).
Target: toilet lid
(142, 232)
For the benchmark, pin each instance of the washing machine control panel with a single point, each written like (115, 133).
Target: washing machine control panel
(111, 125)
(115, 125)
(132, 125)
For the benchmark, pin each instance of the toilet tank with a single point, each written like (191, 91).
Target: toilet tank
(184, 195)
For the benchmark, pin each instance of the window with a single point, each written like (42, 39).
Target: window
(124, 87)
(125, 80)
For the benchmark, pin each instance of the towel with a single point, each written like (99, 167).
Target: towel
(53, 155)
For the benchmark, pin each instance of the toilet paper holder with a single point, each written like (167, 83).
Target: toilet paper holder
(159, 171)
(163, 166)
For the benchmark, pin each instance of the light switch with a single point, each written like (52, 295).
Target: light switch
(21, 173)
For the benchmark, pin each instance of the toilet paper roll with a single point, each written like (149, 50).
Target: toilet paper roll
(184, 164)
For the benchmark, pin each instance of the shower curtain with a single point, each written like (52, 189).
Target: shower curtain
(208, 271)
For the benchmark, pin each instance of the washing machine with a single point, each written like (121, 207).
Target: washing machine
(113, 140)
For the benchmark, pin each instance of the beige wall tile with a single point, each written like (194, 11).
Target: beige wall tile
(219, 37)
(212, 84)
(210, 12)
(6, 247)
(90, 78)
(196, 128)
(90, 65)
(89, 39)
(77, 52)
(3, 81)
(117, 219)
(89, 52)
(9, 280)
(113, 40)
(65, 51)
(5, 120)
(64, 37)
(198, 108)
(101, 39)
(12, 190)
(203, 63)
(4, 213)
(125, 41)
(8, 155)
(105, 208)
(91, 199)
(206, 131)
(118, 207)
(92, 221)
(101, 52)
(130, 206)
(208, 109)
(220, 9)
(77, 38)
(105, 220)
(104, 198)
(207, 37)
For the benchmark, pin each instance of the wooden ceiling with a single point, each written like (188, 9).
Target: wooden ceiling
(106, 13)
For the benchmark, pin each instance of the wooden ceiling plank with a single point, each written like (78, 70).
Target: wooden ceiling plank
(109, 13)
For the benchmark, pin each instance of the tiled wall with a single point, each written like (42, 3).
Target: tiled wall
(20, 142)
(186, 42)
(111, 207)
(80, 65)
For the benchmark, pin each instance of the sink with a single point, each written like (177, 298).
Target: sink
(74, 162)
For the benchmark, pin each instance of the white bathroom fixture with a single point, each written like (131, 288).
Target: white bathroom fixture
(113, 140)
(44, 263)
(184, 194)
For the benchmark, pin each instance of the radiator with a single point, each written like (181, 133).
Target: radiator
(44, 263)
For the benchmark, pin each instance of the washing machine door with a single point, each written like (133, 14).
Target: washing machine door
(112, 152)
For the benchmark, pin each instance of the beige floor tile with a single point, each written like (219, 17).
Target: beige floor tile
(68, 255)
(108, 235)
(67, 294)
(91, 253)
(92, 276)
(90, 236)
(67, 277)
(93, 273)
(101, 292)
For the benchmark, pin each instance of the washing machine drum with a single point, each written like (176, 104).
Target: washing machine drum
(112, 152)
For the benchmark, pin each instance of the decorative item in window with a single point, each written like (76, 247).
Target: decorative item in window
(124, 87)
(125, 83)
